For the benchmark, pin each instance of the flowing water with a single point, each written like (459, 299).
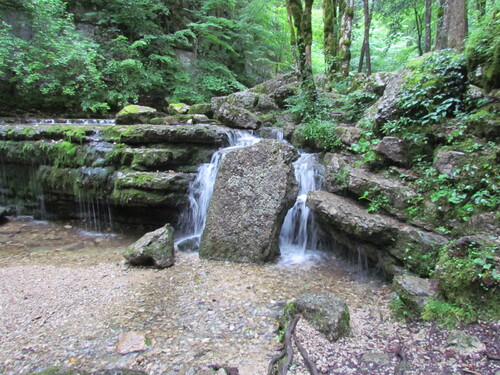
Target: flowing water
(201, 189)
(299, 239)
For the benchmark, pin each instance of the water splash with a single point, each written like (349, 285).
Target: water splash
(201, 190)
(299, 238)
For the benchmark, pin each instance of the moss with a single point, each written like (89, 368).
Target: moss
(131, 196)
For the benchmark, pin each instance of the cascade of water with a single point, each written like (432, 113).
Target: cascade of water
(201, 189)
(299, 231)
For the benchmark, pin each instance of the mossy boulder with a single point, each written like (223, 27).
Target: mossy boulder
(201, 109)
(154, 249)
(327, 312)
(485, 122)
(135, 114)
(178, 108)
(415, 291)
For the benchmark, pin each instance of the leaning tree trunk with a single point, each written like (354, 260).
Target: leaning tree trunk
(428, 19)
(345, 38)
(418, 22)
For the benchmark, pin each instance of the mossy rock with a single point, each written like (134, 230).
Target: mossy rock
(178, 108)
(135, 114)
(201, 109)
(485, 122)
(153, 249)
(327, 312)
(414, 292)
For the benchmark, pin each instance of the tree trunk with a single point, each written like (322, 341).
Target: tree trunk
(293, 38)
(418, 23)
(428, 19)
(365, 49)
(345, 38)
(452, 29)
(441, 39)
(303, 31)
(457, 23)
(330, 40)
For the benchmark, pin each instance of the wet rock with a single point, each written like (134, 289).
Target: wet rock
(393, 149)
(415, 291)
(448, 161)
(352, 218)
(255, 186)
(131, 342)
(153, 249)
(135, 114)
(236, 117)
(379, 234)
(327, 312)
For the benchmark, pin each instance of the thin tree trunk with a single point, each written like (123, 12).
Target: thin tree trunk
(345, 38)
(441, 29)
(418, 22)
(307, 29)
(293, 38)
(428, 19)
(365, 49)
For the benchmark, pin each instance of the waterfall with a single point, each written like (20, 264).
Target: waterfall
(299, 231)
(201, 189)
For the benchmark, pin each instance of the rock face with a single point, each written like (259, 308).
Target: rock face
(153, 249)
(393, 149)
(254, 188)
(327, 312)
(135, 114)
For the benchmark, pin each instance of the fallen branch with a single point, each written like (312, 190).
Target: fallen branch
(471, 372)
(311, 366)
(286, 354)
(492, 357)
(283, 369)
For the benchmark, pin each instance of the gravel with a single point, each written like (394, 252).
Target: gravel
(67, 297)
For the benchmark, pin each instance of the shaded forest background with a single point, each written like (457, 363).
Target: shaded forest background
(94, 56)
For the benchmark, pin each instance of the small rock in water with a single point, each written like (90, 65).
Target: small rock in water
(131, 342)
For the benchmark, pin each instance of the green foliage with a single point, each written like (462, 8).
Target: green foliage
(356, 103)
(377, 200)
(322, 133)
(365, 147)
(469, 277)
(483, 49)
(446, 314)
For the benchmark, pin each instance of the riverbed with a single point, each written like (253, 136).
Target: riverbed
(66, 296)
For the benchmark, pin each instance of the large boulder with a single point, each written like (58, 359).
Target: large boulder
(255, 186)
(135, 114)
(154, 249)
(327, 312)
(236, 117)
(279, 88)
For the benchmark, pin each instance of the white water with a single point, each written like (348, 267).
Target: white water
(201, 189)
(299, 240)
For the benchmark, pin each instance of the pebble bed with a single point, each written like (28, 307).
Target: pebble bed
(67, 296)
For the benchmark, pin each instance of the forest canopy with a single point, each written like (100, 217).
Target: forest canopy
(95, 56)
